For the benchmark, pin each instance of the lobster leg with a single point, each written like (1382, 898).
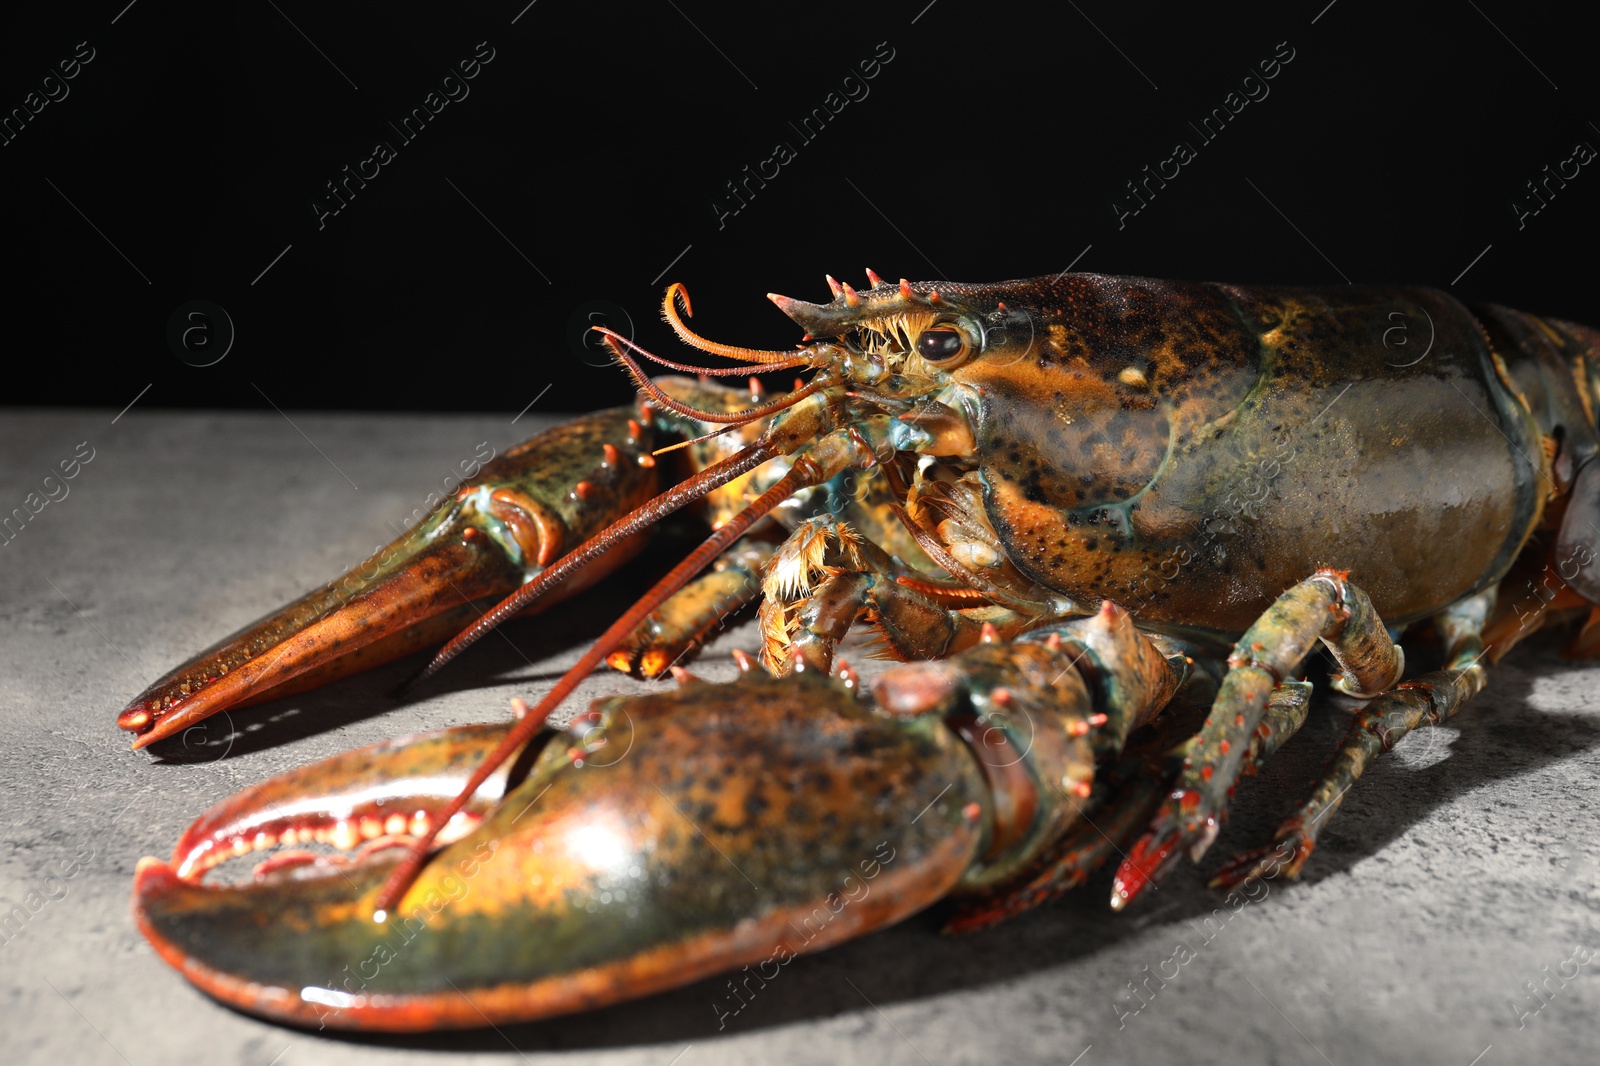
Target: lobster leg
(1323, 607)
(1052, 702)
(692, 614)
(1428, 699)
(1126, 795)
(826, 575)
(512, 520)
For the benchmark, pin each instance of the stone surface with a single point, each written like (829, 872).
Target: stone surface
(1461, 867)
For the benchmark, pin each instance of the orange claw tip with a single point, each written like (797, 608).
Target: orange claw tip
(905, 289)
(162, 728)
(873, 279)
(833, 286)
(134, 719)
(1147, 861)
(149, 863)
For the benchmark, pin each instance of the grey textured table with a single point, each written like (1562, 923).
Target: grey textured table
(1462, 867)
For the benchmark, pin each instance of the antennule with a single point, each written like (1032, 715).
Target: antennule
(749, 414)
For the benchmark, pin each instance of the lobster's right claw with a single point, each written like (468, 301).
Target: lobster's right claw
(515, 518)
(661, 839)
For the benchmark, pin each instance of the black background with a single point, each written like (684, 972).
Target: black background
(592, 147)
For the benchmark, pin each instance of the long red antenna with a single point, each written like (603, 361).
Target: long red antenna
(803, 474)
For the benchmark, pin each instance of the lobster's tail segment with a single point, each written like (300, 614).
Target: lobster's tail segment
(660, 839)
(517, 516)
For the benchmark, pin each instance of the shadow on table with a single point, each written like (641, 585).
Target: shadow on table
(1502, 736)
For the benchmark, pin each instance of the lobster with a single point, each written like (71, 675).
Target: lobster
(1101, 521)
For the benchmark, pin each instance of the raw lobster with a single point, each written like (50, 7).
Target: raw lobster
(1103, 519)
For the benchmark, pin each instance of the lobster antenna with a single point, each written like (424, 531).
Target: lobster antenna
(797, 359)
(646, 514)
(669, 311)
(653, 390)
(804, 474)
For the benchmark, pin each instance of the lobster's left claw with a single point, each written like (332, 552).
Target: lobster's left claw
(659, 840)
(520, 513)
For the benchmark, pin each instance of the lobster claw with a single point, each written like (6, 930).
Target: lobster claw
(658, 840)
(513, 519)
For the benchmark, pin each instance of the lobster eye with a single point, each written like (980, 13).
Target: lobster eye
(944, 346)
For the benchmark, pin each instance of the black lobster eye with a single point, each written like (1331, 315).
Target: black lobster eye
(944, 346)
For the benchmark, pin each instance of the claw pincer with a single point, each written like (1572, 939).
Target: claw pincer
(511, 521)
(670, 837)
(656, 840)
